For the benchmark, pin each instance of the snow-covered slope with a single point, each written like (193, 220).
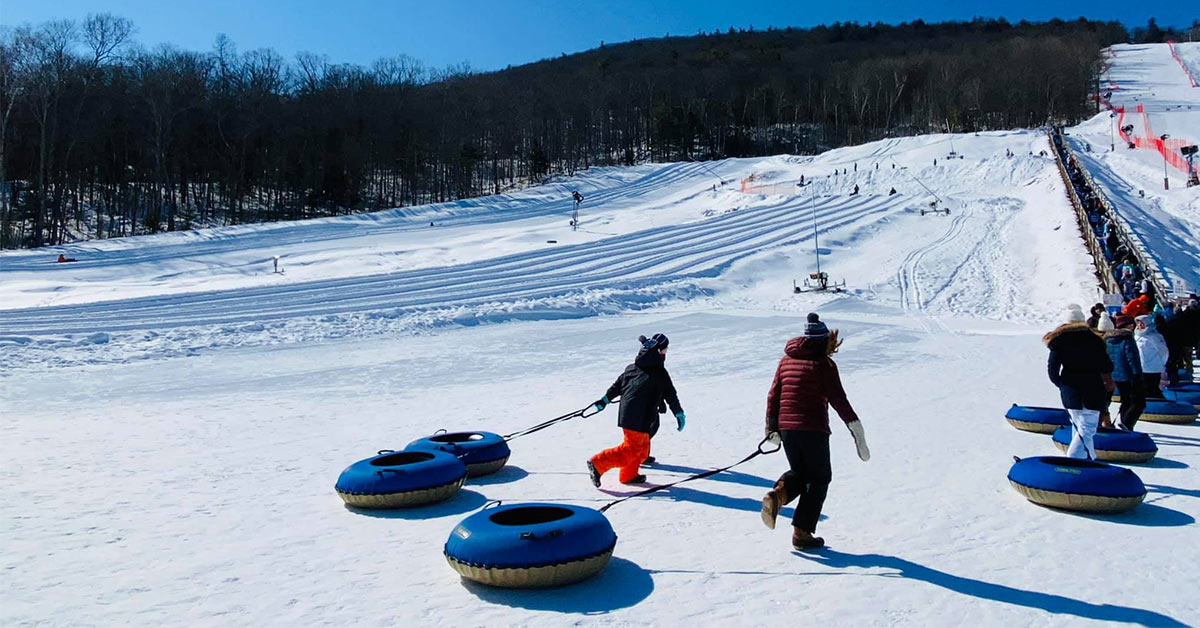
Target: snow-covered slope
(169, 458)
(1168, 221)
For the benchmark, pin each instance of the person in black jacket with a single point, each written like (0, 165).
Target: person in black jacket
(1080, 367)
(642, 389)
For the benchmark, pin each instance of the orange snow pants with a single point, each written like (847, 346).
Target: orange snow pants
(628, 455)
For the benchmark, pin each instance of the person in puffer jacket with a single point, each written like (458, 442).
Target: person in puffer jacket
(1079, 366)
(806, 383)
(1126, 371)
(642, 388)
(1152, 349)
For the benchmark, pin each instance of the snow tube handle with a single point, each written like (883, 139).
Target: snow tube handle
(529, 536)
(768, 451)
(385, 451)
(441, 431)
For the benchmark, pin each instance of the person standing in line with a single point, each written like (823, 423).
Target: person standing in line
(641, 389)
(1152, 349)
(1126, 371)
(806, 383)
(1079, 366)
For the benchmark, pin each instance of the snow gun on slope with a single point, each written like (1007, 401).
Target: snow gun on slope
(817, 281)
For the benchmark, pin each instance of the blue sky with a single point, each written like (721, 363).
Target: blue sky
(492, 34)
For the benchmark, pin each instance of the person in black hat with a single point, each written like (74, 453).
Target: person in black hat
(806, 383)
(642, 389)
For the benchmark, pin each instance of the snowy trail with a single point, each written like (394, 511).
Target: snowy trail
(657, 256)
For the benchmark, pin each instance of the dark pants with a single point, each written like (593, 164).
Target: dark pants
(1150, 385)
(1175, 360)
(809, 476)
(1133, 401)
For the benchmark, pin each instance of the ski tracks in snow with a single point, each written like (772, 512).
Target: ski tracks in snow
(625, 272)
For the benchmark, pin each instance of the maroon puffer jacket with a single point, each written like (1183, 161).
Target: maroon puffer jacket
(806, 383)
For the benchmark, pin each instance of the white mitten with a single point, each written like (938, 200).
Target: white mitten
(860, 440)
(774, 438)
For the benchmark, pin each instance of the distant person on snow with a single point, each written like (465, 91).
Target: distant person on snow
(644, 389)
(855, 190)
(63, 259)
(806, 383)
(1126, 371)
(577, 196)
(1152, 349)
(892, 192)
(1079, 366)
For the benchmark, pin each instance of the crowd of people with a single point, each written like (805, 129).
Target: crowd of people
(1119, 259)
(1131, 349)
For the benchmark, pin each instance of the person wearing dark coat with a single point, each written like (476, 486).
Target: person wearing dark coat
(642, 389)
(1079, 366)
(806, 383)
(1126, 371)
(1187, 325)
(1096, 312)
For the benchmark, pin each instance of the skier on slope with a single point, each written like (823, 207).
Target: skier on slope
(644, 389)
(806, 383)
(1080, 368)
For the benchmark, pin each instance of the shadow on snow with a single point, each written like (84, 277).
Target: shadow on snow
(622, 584)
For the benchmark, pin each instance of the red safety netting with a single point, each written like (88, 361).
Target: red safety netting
(1179, 60)
(1168, 149)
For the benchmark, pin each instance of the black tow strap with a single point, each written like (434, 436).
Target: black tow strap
(758, 452)
(580, 413)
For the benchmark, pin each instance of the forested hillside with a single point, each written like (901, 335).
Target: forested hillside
(101, 138)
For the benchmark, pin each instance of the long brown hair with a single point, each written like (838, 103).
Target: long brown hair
(834, 343)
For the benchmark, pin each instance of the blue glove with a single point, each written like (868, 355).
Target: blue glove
(681, 419)
(602, 403)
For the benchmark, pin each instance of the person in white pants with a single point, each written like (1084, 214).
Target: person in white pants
(1080, 367)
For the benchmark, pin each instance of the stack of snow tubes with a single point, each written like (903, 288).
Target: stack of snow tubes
(1113, 445)
(1074, 484)
(1037, 419)
(531, 545)
(1168, 411)
(482, 452)
(401, 479)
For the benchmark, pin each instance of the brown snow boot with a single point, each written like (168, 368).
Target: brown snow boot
(775, 499)
(804, 540)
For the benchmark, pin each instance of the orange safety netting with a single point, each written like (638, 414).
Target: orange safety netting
(1168, 149)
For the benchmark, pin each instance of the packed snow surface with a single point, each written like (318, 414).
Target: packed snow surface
(175, 414)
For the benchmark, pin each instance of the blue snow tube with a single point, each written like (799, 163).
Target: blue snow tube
(531, 545)
(1184, 375)
(1113, 445)
(401, 479)
(1183, 396)
(1074, 484)
(1168, 411)
(1036, 419)
(482, 452)
(1185, 387)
